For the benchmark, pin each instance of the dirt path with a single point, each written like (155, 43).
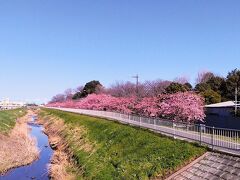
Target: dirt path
(18, 148)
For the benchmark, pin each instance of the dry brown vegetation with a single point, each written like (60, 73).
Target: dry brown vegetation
(61, 161)
(18, 148)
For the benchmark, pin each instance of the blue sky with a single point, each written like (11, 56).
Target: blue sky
(47, 46)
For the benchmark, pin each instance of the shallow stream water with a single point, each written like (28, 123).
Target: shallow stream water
(39, 168)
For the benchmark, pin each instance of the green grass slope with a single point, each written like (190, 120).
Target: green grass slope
(104, 149)
(8, 119)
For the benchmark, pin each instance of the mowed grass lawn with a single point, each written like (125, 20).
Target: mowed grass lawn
(8, 119)
(116, 151)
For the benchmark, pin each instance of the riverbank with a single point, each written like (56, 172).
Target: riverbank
(17, 147)
(61, 166)
(102, 149)
(8, 119)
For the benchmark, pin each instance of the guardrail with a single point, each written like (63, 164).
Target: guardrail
(227, 140)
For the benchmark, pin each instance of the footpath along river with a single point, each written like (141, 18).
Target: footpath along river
(39, 168)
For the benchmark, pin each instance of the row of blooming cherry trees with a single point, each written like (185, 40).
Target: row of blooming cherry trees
(182, 106)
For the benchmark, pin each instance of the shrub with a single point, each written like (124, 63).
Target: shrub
(211, 96)
(90, 88)
(176, 87)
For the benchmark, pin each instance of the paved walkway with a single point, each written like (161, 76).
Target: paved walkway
(211, 166)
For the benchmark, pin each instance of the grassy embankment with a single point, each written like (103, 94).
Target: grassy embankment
(104, 149)
(8, 119)
(17, 148)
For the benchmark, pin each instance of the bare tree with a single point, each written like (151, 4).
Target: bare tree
(181, 80)
(122, 89)
(68, 93)
(58, 98)
(204, 76)
(154, 88)
(146, 89)
(79, 88)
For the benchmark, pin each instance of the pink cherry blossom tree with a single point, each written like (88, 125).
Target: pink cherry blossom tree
(182, 106)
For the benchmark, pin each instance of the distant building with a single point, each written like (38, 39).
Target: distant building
(7, 104)
(223, 108)
(221, 115)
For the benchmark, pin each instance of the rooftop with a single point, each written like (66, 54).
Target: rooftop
(222, 104)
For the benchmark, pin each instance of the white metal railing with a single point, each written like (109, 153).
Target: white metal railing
(227, 140)
(237, 103)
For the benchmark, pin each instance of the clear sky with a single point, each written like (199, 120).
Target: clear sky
(47, 46)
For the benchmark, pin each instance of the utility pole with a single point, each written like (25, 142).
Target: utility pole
(137, 82)
(236, 100)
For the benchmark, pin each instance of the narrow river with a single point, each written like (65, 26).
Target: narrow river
(39, 168)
